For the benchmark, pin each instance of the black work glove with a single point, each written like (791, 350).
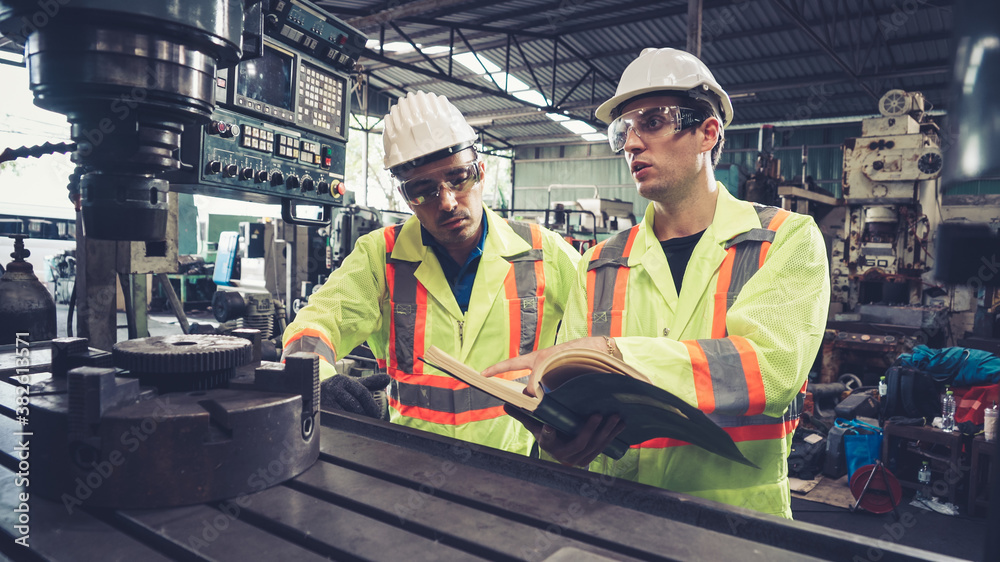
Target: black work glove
(354, 395)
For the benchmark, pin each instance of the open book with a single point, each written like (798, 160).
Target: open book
(579, 382)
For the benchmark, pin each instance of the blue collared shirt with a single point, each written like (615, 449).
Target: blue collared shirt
(460, 277)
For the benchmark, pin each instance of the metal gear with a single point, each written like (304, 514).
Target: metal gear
(183, 362)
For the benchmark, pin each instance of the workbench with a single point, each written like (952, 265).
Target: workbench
(382, 492)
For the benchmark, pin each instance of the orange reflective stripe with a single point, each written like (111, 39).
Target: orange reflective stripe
(618, 306)
(777, 430)
(722, 294)
(514, 312)
(607, 288)
(420, 328)
(539, 292)
(775, 224)
(446, 418)
(754, 378)
(310, 340)
(591, 285)
(449, 382)
(702, 377)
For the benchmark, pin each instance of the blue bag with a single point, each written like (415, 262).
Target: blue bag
(862, 444)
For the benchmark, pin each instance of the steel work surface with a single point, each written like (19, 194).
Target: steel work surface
(381, 492)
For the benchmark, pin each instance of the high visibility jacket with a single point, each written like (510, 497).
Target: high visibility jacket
(737, 343)
(392, 292)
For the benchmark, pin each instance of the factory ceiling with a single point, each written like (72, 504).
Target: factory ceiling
(533, 71)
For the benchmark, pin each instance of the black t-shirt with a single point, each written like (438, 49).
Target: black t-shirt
(678, 251)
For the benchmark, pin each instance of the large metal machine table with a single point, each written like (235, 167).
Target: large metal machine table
(381, 492)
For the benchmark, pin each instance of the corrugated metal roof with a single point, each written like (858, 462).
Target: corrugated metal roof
(779, 60)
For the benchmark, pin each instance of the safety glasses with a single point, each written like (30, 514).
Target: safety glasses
(651, 122)
(427, 187)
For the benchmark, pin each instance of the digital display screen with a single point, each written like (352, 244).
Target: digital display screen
(268, 79)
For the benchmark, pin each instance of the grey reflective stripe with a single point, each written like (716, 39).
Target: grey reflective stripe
(605, 268)
(527, 287)
(404, 306)
(753, 235)
(766, 214)
(404, 313)
(310, 344)
(729, 383)
(439, 399)
(748, 246)
(792, 413)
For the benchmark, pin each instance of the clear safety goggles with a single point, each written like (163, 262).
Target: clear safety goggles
(427, 187)
(651, 122)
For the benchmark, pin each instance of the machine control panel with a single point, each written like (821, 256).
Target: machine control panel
(279, 132)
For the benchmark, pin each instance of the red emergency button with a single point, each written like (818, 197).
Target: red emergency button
(338, 189)
(342, 39)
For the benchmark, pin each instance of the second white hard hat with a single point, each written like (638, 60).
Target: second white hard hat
(421, 128)
(668, 70)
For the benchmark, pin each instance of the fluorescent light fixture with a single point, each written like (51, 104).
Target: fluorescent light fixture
(472, 62)
(532, 97)
(557, 117)
(595, 137)
(578, 127)
(435, 49)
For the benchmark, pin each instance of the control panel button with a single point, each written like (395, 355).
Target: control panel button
(214, 167)
(230, 170)
(261, 176)
(246, 174)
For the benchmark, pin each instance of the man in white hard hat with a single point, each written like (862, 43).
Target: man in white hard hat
(455, 275)
(720, 301)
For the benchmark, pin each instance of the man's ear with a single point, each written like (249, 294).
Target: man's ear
(712, 130)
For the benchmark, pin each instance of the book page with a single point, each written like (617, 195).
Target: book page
(569, 363)
(511, 392)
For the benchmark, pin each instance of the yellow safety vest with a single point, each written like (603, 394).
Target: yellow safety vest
(392, 292)
(738, 342)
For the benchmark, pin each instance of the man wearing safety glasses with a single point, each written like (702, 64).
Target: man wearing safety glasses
(720, 301)
(455, 275)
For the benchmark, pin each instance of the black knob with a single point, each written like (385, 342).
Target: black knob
(322, 187)
(231, 170)
(246, 174)
(307, 184)
(292, 182)
(277, 178)
(272, 20)
(262, 176)
(214, 167)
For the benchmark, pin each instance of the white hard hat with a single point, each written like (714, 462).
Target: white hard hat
(668, 70)
(421, 128)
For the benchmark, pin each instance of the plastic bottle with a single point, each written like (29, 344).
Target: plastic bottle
(924, 479)
(990, 423)
(948, 412)
(883, 387)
